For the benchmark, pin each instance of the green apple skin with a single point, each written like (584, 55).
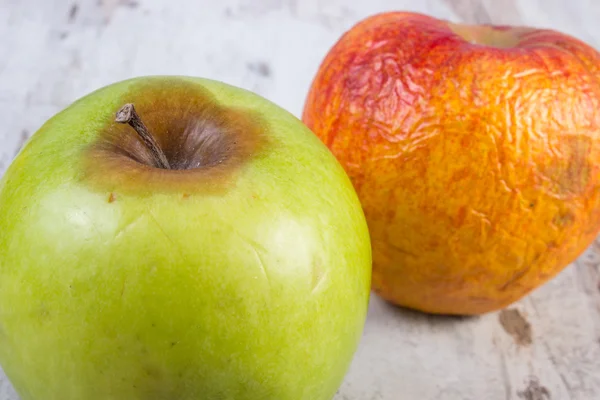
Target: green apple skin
(149, 289)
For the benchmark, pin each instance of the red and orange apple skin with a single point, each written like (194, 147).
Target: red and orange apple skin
(473, 151)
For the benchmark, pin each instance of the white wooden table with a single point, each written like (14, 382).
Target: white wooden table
(547, 346)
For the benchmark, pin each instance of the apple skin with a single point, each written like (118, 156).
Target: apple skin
(117, 282)
(473, 151)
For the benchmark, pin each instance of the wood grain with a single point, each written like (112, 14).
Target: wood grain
(53, 52)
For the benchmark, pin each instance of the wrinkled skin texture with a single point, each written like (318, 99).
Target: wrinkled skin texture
(474, 156)
(245, 279)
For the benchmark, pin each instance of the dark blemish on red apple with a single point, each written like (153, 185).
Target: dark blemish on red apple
(111, 197)
(261, 68)
(516, 326)
(73, 12)
(535, 391)
(569, 175)
(563, 219)
(574, 177)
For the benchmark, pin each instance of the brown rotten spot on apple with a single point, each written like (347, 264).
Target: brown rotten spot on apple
(173, 136)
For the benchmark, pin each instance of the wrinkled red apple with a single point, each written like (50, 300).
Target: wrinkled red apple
(473, 150)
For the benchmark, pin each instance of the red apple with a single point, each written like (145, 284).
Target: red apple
(473, 150)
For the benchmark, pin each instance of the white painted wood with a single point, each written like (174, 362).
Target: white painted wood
(52, 52)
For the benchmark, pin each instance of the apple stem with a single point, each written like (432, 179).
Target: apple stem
(128, 115)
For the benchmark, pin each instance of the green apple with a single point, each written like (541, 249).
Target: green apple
(202, 244)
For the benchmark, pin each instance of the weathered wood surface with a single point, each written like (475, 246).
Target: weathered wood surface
(547, 346)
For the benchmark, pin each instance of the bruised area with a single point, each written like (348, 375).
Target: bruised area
(204, 142)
